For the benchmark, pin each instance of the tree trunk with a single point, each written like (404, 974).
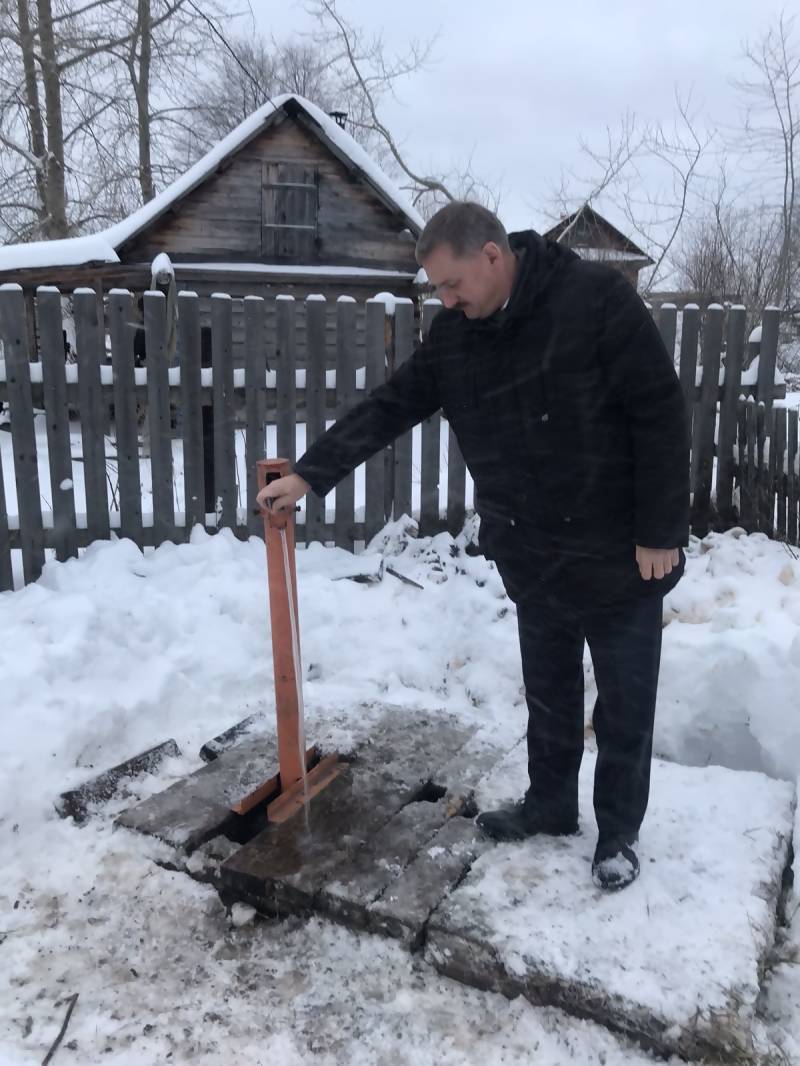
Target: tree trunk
(142, 89)
(56, 197)
(32, 106)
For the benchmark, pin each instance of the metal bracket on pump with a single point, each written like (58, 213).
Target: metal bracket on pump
(300, 775)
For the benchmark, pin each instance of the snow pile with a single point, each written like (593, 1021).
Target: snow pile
(110, 654)
(731, 665)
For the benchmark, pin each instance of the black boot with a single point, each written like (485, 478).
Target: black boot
(523, 820)
(615, 864)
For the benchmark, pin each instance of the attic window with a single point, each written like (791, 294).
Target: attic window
(290, 203)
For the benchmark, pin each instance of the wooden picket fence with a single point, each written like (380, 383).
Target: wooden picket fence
(759, 492)
(718, 398)
(249, 396)
(767, 467)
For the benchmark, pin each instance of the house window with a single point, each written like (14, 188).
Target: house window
(289, 210)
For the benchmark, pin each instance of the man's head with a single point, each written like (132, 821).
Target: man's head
(465, 252)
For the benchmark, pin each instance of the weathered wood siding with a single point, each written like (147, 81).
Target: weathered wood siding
(223, 217)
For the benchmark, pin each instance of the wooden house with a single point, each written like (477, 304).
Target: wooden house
(593, 237)
(286, 203)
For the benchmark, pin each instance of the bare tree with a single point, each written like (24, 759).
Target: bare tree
(32, 104)
(90, 96)
(619, 153)
(247, 73)
(162, 46)
(646, 172)
(366, 75)
(772, 130)
(53, 94)
(733, 252)
(139, 73)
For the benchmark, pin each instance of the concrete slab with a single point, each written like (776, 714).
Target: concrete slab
(674, 961)
(403, 909)
(389, 847)
(197, 808)
(360, 833)
(78, 802)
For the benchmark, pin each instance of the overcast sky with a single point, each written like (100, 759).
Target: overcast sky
(516, 83)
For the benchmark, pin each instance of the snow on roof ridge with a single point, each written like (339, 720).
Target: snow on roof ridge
(102, 246)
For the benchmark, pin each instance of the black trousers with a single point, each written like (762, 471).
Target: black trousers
(624, 640)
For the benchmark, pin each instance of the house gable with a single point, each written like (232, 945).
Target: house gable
(283, 197)
(586, 229)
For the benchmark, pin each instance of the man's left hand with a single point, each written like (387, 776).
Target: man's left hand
(656, 562)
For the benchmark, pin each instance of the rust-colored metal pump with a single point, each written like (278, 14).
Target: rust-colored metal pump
(300, 774)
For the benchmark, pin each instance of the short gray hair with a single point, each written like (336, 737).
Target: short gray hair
(465, 226)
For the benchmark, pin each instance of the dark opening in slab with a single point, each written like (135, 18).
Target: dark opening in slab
(459, 805)
(429, 793)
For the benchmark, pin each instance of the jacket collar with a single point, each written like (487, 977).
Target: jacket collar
(541, 260)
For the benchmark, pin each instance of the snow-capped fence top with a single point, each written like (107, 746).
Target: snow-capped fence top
(121, 386)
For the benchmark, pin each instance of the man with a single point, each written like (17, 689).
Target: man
(571, 420)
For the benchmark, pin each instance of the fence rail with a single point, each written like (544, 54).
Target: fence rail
(202, 470)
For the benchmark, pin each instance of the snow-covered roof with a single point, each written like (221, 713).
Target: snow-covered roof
(102, 247)
(567, 229)
(616, 255)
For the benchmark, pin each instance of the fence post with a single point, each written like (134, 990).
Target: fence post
(767, 356)
(706, 420)
(6, 569)
(403, 448)
(742, 468)
(668, 327)
(90, 347)
(688, 355)
(286, 385)
(430, 449)
(191, 411)
(777, 455)
(687, 374)
(224, 415)
(762, 460)
(255, 380)
(316, 309)
(344, 536)
(752, 464)
(791, 477)
(207, 415)
(161, 472)
(127, 435)
(728, 411)
(388, 451)
(375, 473)
(14, 328)
(54, 389)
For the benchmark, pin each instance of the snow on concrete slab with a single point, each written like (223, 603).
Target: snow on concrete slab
(675, 960)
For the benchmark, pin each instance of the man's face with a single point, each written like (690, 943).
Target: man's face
(471, 283)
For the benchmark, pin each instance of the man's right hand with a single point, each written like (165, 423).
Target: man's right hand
(283, 493)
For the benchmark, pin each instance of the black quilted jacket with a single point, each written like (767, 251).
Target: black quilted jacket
(566, 406)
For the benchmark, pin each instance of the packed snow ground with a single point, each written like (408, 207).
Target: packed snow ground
(116, 651)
